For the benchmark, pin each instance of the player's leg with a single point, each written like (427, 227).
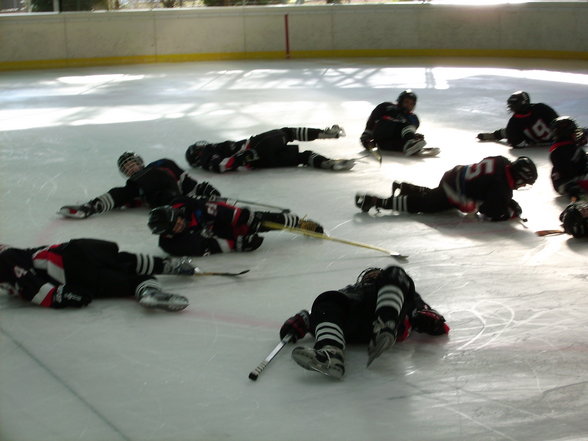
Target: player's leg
(426, 200)
(329, 315)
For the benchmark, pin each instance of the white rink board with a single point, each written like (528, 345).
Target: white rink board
(512, 368)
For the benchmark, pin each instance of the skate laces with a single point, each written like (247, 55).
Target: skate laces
(381, 326)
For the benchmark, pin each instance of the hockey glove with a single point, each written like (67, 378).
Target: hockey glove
(297, 325)
(248, 243)
(64, 298)
(487, 137)
(514, 209)
(204, 189)
(367, 139)
(429, 321)
(81, 211)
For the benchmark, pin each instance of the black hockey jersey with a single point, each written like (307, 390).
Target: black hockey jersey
(532, 127)
(486, 186)
(390, 112)
(266, 150)
(155, 185)
(569, 162)
(220, 158)
(206, 221)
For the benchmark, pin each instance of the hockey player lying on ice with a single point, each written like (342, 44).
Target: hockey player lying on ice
(73, 273)
(380, 309)
(153, 185)
(485, 187)
(194, 227)
(529, 124)
(266, 150)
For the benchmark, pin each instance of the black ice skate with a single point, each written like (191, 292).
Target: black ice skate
(413, 146)
(383, 337)
(181, 266)
(365, 201)
(332, 132)
(328, 360)
(155, 298)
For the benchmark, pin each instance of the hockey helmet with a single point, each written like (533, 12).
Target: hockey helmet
(565, 127)
(523, 171)
(519, 102)
(406, 94)
(369, 277)
(162, 220)
(575, 219)
(126, 160)
(194, 153)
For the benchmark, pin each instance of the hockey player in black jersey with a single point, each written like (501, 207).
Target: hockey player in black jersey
(393, 126)
(569, 174)
(153, 185)
(266, 150)
(529, 125)
(195, 227)
(380, 309)
(485, 187)
(73, 273)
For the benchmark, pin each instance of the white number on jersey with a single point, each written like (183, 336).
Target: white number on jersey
(485, 167)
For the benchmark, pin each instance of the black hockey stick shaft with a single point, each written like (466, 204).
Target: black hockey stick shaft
(219, 273)
(261, 366)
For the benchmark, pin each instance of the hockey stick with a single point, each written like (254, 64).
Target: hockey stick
(257, 204)
(261, 366)
(542, 233)
(276, 226)
(197, 272)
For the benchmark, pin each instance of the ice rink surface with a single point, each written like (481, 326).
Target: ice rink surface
(512, 368)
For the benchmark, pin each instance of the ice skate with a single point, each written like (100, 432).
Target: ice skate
(365, 202)
(396, 188)
(338, 164)
(181, 266)
(428, 151)
(328, 360)
(384, 336)
(413, 146)
(332, 132)
(310, 225)
(154, 298)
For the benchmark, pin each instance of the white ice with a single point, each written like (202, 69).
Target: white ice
(512, 368)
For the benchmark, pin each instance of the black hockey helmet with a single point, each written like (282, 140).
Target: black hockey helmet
(524, 171)
(163, 219)
(194, 153)
(404, 95)
(519, 102)
(126, 159)
(575, 219)
(565, 127)
(369, 277)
